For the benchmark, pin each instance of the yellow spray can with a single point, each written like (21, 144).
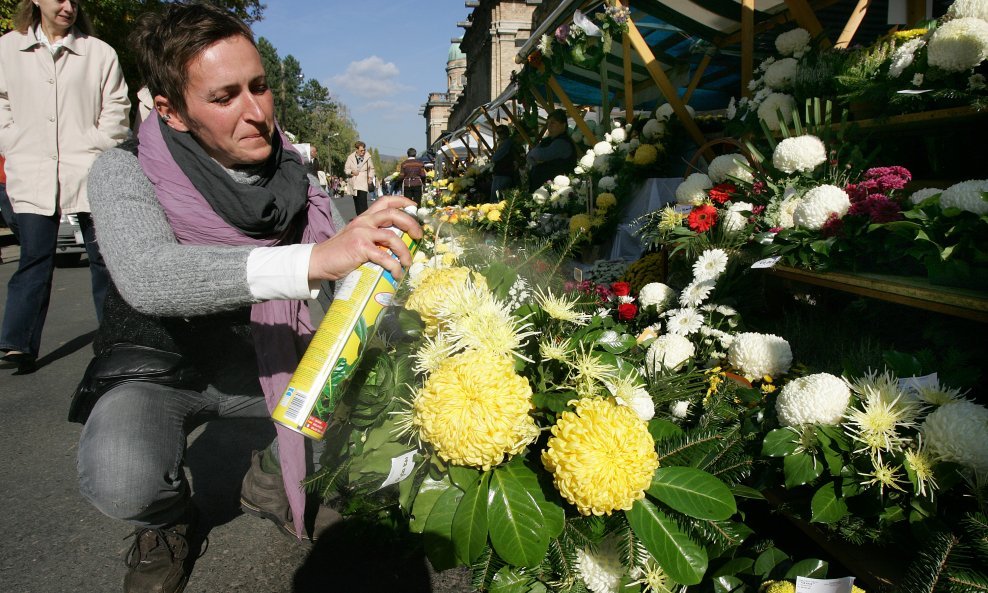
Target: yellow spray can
(331, 358)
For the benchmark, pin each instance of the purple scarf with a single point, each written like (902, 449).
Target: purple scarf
(281, 329)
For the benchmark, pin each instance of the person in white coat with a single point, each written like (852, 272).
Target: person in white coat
(359, 169)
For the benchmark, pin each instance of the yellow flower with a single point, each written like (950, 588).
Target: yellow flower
(474, 409)
(903, 36)
(432, 292)
(559, 307)
(670, 219)
(494, 215)
(434, 351)
(579, 224)
(601, 456)
(554, 349)
(476, 320)
(777, 587)
(606, 201)
(646, 154)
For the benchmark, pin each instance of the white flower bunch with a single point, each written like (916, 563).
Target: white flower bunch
(631, 393)
(695, 293)
(710, 265)
(665, 111)
(959, 45)
(734, 219)
(958, 432)
(968, 8)
(653, 129)
(903, 56)
(780, 74)
(756, 355)
(680, 408)
(773, 103)
(616, 136)
(603, 148)
(727, 167)
(693, 190)
(967, 196)
(793, 43)
(785, 211)
(560, 181)
(818, 204)
(655, 294)
(815, 399)
(799, 154)
(601, 570)
(668, 351)
(606, 183)
(685, 322)
(587, 160)
(920, 196)
(540, 196)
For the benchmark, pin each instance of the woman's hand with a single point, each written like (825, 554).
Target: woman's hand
(367, 238)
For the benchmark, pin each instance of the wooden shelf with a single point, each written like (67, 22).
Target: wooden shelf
(911, 291)
(921, 120)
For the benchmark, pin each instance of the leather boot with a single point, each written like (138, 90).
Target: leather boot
(161, 559)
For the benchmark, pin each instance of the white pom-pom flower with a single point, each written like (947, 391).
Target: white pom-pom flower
(959, 45)
(920, 196)
(734, 218)
(799, 154)
(780, 74)
(769, 109)
(815, 399)
(669, 351)
(618, 135)
(965, 8)
(728, 167)
(586, 161)
(786, 210)
(665, 111)
(819, 204)
(680, 408)
(967, 196)
(756, 355)
(601, 569)
(560, 181)
(792, 42)
(693, 190)
(653, 129)
(655, 294)
(603, 148)
(606, 183)
(958, 432)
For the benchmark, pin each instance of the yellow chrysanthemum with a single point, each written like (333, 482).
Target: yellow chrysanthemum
(670, 219)
(903, 36)
(474, 410)
(494, 215)
(601, 456)
(560, 307)
(579, 224)
(554, 349)
(788, 587)
(476, 320)
(433, 352)
(646, 154)
(433, 289)
(606, 201)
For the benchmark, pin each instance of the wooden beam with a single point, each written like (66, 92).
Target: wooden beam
(541, 100)
(521, 130)
(571, 109)
(853, 22)
(747, 45)
(804, 15)
(700, 69)
(466, 144)
(490, 120)
(665, 86)
(452, 151)
(629, 82)
(479, 138)
(768, 24)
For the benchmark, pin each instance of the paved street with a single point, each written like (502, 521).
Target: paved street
(52, 541)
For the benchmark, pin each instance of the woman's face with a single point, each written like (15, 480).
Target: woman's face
(57, 15)
(230, 109)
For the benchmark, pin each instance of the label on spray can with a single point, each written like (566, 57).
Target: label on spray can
(331, 358)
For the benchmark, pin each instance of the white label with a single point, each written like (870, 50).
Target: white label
(683, 208)
(402, 466)
(808, 585)
(768, 262)
(914, 384)
(344, 291)
(913, 91)
(578, 274)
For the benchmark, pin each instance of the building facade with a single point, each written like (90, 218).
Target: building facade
(439, 106)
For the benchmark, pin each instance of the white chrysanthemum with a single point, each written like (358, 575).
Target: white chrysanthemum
(601, 569)
(815, 399)
(629, 391)
(655, 294)
(938, 394)
(779, 75)
(799, 154)
(959, 45)
(786, 210)
(680, 408)
(560, 181)
(685, 321)
(903, 56)
(606, 183)
(695, 293)
(603, 148)
(670, 351)
(665, 111)
(793, 41)
(540, 196)
(728, 167)
(967, 196)
(920, 196)
(958, 432)
(693, 190)
(968, 8)
(601, 163)
(710, 265)
(769, 109)
(818, 204)
(734, 219)
(586, 161)
(653, 129)
(756, 355)
(618, 135)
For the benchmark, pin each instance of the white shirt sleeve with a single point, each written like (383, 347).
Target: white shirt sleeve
(281, 273)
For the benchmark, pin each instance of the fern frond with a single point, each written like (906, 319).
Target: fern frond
(963, 581)
(328, 480)
(924, 574)
(688, 448)
(483, 570)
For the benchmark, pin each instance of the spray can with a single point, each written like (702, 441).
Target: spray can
(332, 356)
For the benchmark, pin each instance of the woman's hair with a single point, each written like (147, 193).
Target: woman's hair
(28, 15)
(166, 42)
(558, 115)
(359, 144)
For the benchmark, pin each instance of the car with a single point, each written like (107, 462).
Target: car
(70, 245)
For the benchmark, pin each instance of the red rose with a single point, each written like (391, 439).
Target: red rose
(702, 218)
(721, 192)
(627, 311)
(620, 288)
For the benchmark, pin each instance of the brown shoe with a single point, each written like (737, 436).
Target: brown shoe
(263, 495)
(161, 560)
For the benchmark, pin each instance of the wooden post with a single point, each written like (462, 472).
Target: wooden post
(747, 45)
(915, 12)
(466, 144)
(521, 130)
(571, 110)
(804, 15)
(541, 100)
(665, 86)
(700, 69)
(490, 120)
(629, 82)
(479, 138)
(456, 157)
(853, 22)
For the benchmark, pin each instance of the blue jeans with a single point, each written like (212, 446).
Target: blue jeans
(29, 289)
(132, 448)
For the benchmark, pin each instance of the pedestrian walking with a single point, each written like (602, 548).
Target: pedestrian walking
(359, 169)
(63, 100)
(411, 176)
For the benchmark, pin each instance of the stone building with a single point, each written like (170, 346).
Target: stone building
(437, 109)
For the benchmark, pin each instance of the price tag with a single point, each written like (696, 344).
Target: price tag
(578, 274)
(402, 466)
(913, 91)
(808, 585)
(683, 208)
(914, 384)
(768, 262)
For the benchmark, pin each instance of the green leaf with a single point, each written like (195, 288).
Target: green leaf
(693, 492)
(680, 557)
(464, 477)
(734, 566)
(663, 429)
(469, 527)
(826, 506)
(727, 584)
(768, 560)
(516, 523)
(511, 580)
(742, 491)
(811, 567)
(902, 364)
(780, 443)
(425, 500)
(437, 538)
(801, 468)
